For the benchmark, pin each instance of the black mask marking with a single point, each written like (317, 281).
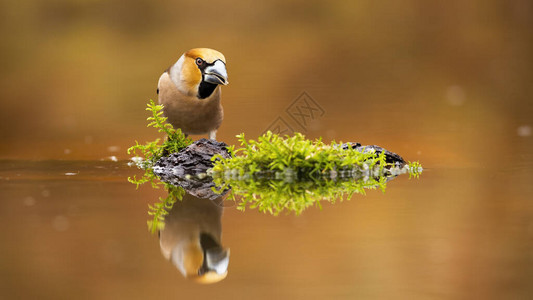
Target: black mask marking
(205, 89)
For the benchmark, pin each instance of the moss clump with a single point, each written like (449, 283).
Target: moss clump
(145, 157)
(292, 173)
(160, 209)
(275, 196)
(311, 158)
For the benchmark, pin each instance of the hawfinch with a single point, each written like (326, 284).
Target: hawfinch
(189, 90)
(191, 239)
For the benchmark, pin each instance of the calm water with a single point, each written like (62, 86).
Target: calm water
(445, 83)
(78, 228)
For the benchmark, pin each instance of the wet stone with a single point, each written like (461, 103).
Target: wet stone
(188, 167)
(390, 157)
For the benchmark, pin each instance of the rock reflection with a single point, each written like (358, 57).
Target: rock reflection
(191, 239)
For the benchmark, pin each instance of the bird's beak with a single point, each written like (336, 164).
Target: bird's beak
(216, 73)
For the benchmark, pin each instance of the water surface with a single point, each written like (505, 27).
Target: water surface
(455, 232)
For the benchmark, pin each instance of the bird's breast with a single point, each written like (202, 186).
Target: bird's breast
(189, 113)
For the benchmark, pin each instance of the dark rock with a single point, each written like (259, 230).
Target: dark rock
(390, 157)
(188, 167)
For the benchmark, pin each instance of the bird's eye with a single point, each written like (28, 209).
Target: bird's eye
(199, 61)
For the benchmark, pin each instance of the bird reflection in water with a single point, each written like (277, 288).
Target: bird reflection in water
(191, 239)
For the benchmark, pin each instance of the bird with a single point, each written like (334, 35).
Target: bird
(189, 91)
(191, 239)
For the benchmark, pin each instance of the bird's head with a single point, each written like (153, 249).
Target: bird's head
(199, 72)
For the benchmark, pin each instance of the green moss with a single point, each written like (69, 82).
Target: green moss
(149, 153)
(146, 155)
(160, 209)
(292, 173)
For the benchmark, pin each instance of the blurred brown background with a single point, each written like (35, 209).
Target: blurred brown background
(410, 75)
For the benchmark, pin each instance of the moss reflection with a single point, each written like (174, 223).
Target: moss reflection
(292, 173)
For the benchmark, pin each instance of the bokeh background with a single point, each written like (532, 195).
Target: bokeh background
(449, 83)
(76, 75)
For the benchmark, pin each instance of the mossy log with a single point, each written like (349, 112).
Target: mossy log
(188, 168)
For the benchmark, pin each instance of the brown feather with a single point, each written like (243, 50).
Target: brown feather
(192, 115)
